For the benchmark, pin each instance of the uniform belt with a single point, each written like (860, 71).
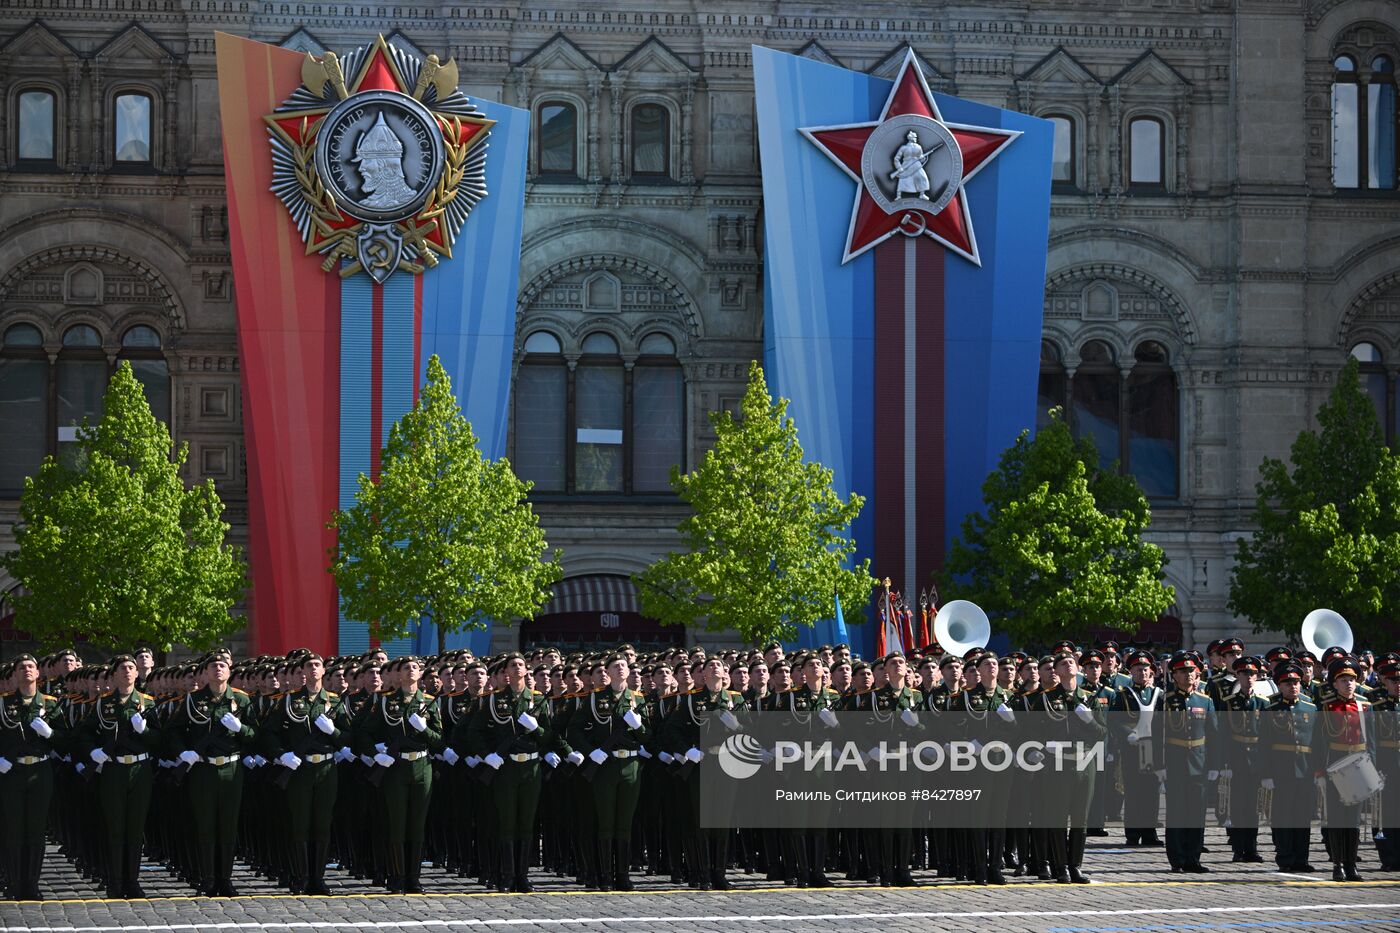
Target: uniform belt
(1339, 747)
(1296, 749)
(1387, 743)
(1246, 739)
(220, 762)
(522, 757)
(31, 759)
(130, 759)
(317, 759)
(624, 753)
(1187, 743)
(413, 756)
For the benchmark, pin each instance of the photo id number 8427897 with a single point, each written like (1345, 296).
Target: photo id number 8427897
(944, 794)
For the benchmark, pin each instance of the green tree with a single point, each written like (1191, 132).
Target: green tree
(114, 548)
(445, 535)
(766, 547)
(1329, 531)
(1059, 549)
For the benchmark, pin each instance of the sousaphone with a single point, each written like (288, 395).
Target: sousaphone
(1323, 629)
(960, 626)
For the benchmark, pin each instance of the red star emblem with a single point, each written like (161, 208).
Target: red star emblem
(875, 216)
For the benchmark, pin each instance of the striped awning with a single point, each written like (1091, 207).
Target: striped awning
(597, 593)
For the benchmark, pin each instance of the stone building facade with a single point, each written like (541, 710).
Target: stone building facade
(1225, 226)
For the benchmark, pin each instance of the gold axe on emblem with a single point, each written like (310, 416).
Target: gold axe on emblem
(316, 72)
(442, 77)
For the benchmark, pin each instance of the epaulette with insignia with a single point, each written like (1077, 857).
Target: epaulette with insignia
(146, 696)
(333, 696)
(427, 696)
(51, 699)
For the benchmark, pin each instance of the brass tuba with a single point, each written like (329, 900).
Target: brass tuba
(961, 626)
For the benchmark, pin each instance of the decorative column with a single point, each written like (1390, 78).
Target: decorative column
(1183, 151)
(687, 108)
(1115, 141)
(595, 119)
(99, 118)
(73, 109)
(615, 84)
(171, 119)
(1092, 103)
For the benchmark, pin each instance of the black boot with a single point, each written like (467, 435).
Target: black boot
(816, 869)
(606, 848)
(316, 868)
(522, 868)
(623, 881)
(412, 868)
(131, 871)
(505, 866)
(296, 865)
(719, 861)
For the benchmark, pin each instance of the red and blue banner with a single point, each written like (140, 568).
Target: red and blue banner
(906, 238)
(335, 329)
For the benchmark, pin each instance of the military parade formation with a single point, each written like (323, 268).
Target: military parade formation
(584, 766)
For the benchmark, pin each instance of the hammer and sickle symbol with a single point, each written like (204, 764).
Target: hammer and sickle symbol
(379, 254)
(913, 223)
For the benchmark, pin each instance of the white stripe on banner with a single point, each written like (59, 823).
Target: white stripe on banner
(911, 426)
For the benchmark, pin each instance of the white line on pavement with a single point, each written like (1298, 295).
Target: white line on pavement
(449, 924)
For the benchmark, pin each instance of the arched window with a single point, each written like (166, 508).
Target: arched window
(651, 141)
(37, 130)
(81, 374)
(541, 413)
(24, 400)
(1146, 152)
(557, 132)
(141, 345)
(133, 129)
(1097, 399)
(1152, 422)
(599, 415)
(658, 415)
(1051, 393)
(1375, 383)
(1063, 173)
(1364, 122)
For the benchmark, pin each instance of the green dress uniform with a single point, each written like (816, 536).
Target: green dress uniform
(804, 851)
(895, 846)
(515, 752)
(1072, 787)
(385, 730)
(1386, 716)
(1142, 791)
(706, 850)
(291, 729)
(598, 731)
(1180, 730)
(199, 737)
(126, 775)
(1240, 761)
(978, 705)
(1287, 741)
(26, 785)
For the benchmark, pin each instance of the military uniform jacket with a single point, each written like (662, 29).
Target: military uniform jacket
(18, 740)
(1237, 720)
(598, 722)
(290, 725)
(979, 703)
(495, 726)
(195, 724)
(1180, 731)
(1065, 724)
(939, 699)
(680, 731)
(1387, 729)
(802, 700)
(385, 722)
(1288, 738)
(1342, 730)
(108, 726)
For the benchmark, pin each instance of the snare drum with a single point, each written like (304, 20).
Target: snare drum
(1355, 778)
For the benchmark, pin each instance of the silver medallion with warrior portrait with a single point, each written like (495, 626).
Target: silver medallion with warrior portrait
(380, 154)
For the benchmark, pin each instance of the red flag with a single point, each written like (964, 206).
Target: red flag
(880, 651)
(906, 629)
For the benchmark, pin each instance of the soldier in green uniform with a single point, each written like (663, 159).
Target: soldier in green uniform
(1386, 715)
(119, 737)
(1075, 717)
(610, 731)
(804, 853)
(512, 733)
(209, 737)
(301, 734)
(1239, 760)
(1180, 732)
(1142, 790)
(1102, 695)
(399, 731)
(30, 729)
(895, 703)
(977, 703)
(1287, 729)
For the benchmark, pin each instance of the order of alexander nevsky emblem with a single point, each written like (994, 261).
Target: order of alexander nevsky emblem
(379, 157)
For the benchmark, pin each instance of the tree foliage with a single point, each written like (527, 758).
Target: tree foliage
(445, 535)
(114, 548)
(766, 547)
(1059, 549)
(1329, 530)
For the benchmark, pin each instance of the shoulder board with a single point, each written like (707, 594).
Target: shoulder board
(383, 693)
(734, 693)
(536, 693)
(333, 696)
(427, 696)
(147, 696)
(239, 693)
(52, 699)
(695, 691)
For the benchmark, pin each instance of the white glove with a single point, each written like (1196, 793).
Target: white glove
(5, 766)
(324, 724)
(1084, 713)
(138, 723)
(344, 754)
(380, 747)
(909, 717)
(383, 759)
(231, 722)
(189, 756)
(666, 758)
(976, 746)
(1035, 756)
(551, 759)
(1321, 782)
(828, 717)
(449, 755)
(527, 722)
(1133, 738)
(494, 760)
(731, 722)
(78, 767)
(41, 728)
(259, 761)
(574, 758)
(1212, 776)
(694, 754)
(1227, 773)
(1161, 774)
(166, 763)
(367, 761)
(642, 750)
(97, 755)
(767, 756)
(598, 756)
(417, 722)
(1267, 783)
(249, 761)
(472, 761)
(1109, 757)
(288, 760)
(872, 754)
(632, 719)
(1006, 713)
